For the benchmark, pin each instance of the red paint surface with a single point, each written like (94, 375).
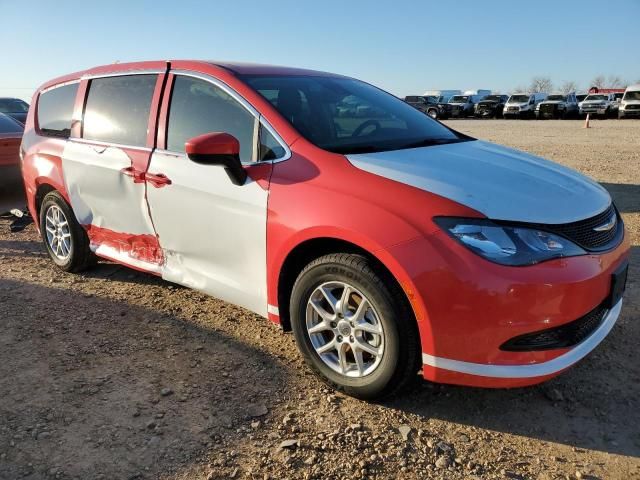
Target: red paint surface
(10, 149)
(145, 248)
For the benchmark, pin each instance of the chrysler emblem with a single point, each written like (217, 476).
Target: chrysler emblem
(608, 225)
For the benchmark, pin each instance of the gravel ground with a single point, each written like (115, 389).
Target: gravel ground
(114, 374)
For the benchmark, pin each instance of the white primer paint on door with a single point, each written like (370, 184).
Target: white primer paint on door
(212, 233)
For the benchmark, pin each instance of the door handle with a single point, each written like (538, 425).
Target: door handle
(158, 180)
(137, 175)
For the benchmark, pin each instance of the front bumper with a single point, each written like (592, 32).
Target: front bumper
(593, 110)
(629, 112)
(468, 307)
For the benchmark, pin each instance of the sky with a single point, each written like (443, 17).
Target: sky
(403, 46)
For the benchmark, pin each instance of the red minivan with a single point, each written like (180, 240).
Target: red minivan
(389, 243)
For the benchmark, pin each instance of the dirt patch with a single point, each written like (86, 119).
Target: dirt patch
(115, 374)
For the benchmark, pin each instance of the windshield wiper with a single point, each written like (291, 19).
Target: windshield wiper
(430, 142)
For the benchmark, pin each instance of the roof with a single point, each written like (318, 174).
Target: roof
(243, 68)
(235, 68)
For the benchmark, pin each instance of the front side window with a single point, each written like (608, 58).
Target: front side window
(198, 107)
(344, 115)
(117, 109)
(55, 109)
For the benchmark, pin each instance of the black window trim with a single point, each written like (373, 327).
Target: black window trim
(48, 134)
(258, 118)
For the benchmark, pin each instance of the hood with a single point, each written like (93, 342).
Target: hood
(553, 102)
(499, 182)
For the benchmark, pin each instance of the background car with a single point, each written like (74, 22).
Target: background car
(429, 105)
(491, 106)
(598, 104)
(14, 107)
(10, 138)
(523, 105)
(558, 105)
(630, 103)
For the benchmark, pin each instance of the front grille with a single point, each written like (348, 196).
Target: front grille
(548, 108)
(632, 107)
(583, 234)
(564, 336)
(513, 109)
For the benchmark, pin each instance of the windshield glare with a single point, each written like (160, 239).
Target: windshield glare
(557, 97)
(459, 99)
(596, 97)
(632, 95)
(519, 98)
(13, 105)
(344, 115)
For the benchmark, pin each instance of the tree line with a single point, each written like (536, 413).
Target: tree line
(541, 84)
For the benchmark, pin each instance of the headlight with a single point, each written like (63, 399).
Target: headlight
(508, 245)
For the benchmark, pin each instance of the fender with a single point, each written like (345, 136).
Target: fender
(306, 203)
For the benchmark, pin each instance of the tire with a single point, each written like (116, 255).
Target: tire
(433, 113)
(73, 255)
(389, 313)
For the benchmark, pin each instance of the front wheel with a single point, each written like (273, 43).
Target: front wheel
(353, 326)
(64, 238)
(433, 113)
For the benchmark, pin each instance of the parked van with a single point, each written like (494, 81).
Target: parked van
(389, 244)
(630, 104)
(523, 105)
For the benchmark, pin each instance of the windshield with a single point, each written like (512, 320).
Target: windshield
(13, 105)
(459, 99)
(494, 98)
(580, 97)
(344, 115)
(596, 97)
(9, 125)
(414, 99)
(632, 95)
(561, 98)
(519, 98)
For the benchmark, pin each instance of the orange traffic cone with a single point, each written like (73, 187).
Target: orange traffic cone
(586, 122)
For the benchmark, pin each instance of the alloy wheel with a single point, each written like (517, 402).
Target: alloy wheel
(345, 329)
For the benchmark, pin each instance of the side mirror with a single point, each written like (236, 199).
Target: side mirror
(218, 148)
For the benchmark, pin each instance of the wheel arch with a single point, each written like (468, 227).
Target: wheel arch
(310, 249)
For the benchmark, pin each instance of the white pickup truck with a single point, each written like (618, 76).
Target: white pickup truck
(598, 104)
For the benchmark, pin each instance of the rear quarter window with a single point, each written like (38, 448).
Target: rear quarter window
(55, 109)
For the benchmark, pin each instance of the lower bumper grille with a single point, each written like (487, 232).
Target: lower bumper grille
(565, 336)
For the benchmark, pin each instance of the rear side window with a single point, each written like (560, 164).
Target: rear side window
(55, 109)
(117, 109)
(199, 107)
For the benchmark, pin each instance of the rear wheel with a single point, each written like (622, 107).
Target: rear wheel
(353, 327)
(433, 113)
(65, 240)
